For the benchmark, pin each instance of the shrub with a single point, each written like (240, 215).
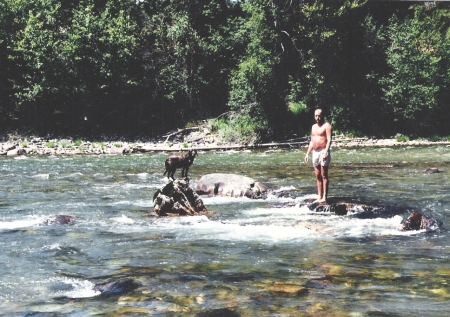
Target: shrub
(239, 128)
(78, 142)
(434, 138)
(64, 143)
(402, 138)
(50, 144)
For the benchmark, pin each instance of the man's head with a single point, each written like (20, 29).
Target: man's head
(318, 116)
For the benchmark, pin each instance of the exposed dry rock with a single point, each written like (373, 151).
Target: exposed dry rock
(177, 198)
(230, 185)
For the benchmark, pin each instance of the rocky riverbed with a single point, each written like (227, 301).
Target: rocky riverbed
(200, 140)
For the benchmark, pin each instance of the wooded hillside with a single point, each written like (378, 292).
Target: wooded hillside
(142, 67)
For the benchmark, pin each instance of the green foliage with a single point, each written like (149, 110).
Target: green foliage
(239, 128)
(349, 133)
(50, 144)
(144, 67)
(414, 85)
(435, 138)
(64, 143)
(402, 138)
(78, 142)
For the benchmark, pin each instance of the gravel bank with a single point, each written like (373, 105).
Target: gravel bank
(40, 146)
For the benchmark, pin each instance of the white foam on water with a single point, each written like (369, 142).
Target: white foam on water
(358, 228)
(124, 219)
(148, 203)
(21, 223)
(137, 186)
(224, 200)
(282, 188)
(281, 224)
(55, 246)
(76, 288)
(41, 176)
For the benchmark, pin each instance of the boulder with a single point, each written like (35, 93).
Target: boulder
(230, 185)
(16, 152)
(342, 207)
(415, 221)
(116, 288)
(418, 221)
(177, 198)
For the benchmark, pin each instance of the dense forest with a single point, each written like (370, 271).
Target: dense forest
(258, 68)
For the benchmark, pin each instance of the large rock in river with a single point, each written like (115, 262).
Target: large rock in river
(177, 198)
(230, 185)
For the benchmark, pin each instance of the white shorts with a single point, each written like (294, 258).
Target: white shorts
(317, 158)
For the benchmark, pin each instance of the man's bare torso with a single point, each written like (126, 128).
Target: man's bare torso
(319, 136)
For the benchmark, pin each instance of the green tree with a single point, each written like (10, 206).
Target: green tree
(417, 82)
(73, 60)
(257, 84)
(187, 58)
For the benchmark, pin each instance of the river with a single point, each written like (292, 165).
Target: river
(250, 258)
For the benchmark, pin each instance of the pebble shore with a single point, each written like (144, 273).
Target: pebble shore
(40, 146)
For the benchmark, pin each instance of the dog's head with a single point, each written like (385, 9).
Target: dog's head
(192, 153)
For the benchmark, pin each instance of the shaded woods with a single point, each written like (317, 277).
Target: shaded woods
(144, 67)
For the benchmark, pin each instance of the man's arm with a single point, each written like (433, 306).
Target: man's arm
(328, 131)
(310, 147)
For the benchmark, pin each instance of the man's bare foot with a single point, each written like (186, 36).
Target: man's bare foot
(321, 200)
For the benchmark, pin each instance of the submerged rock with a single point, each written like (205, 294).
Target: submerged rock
(60, 219)
(340, 208)
(432, 170)
(415, 221)
(221, 312)
(115, 288)
(177, 198)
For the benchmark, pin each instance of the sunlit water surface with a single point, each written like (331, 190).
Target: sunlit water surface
(254, 257)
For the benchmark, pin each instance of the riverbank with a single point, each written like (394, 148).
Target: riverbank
(17, 145)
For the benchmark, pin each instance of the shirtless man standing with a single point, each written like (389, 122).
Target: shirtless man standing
(321, 157)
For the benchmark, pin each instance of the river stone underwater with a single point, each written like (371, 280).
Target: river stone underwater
(251, 258)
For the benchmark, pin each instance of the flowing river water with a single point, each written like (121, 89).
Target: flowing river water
(250, 258)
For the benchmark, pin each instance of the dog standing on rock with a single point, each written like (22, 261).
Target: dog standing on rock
(183, 161)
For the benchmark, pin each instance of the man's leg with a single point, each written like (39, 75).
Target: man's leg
(319, 180)
(325, 182)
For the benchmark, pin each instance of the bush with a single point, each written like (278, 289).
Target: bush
(402, 138)
(50, 144)
(64, 143)
(239, 128)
